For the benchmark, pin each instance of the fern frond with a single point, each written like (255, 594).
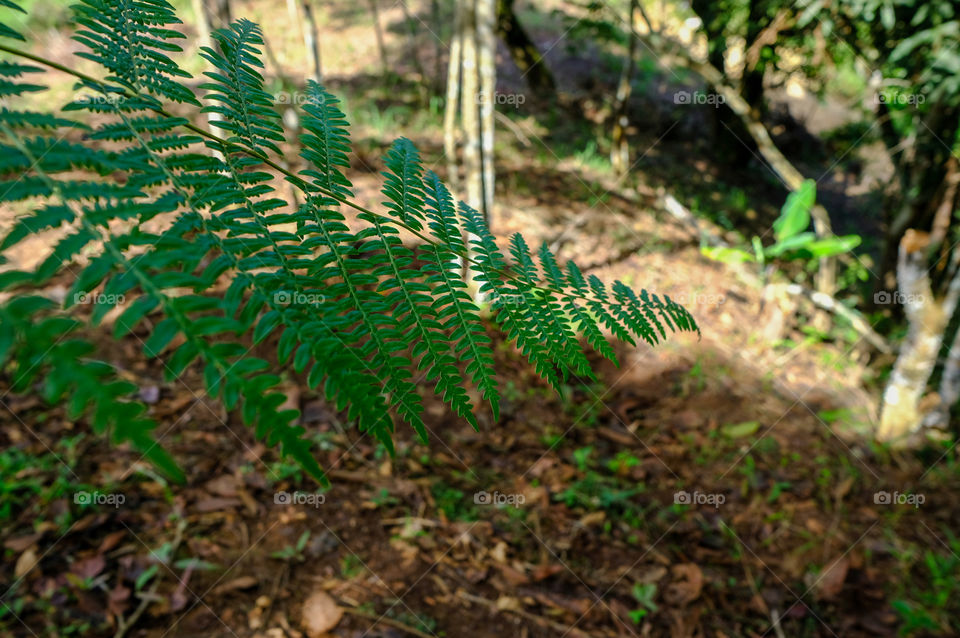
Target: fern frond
(411, 300)
(130, 40)
(358, 311)
(375, 331)
(237, 88)
(452, 304)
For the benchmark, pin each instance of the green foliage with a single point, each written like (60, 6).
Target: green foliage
(928, 603)
(793, 241)
(644, 594)
(226, 264)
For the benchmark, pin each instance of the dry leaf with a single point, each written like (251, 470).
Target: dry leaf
(543, 572)
(20, 543)
(25, 563)
(831, 579)
(320, 614)
(243, 582)
(110, 541)
(505, 603)
(89, 567)
(224, 485)
(513, 576)
(687, 584)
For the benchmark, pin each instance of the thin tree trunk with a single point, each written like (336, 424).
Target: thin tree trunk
(487, 70)
(470, 114)
(412, 44)
(438, 44)
(311, 40)
(523, 51)
(619, 151)
(378, 31)
(904, 405)
(221, 16)
(470, 109)
(452, 105)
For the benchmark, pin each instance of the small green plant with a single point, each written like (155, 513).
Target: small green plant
(793, 240)
(929, 602)
(644, 594)
(293, 552)
(351, 566)
(453, 502)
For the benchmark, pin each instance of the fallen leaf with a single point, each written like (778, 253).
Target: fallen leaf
(593, 518)
(88, 567)
(117, 600)
(499, 552)
(224, 485)
(831, 579)
(687, 584)
(110, 541)
(513, 576)
(25, 563)
(320, 614)
(843, 488)
(542, 572)
(508, 603)
(20, 543)
(738, 430)
(243, 582)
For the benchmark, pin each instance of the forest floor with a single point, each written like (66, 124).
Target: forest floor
(722, 486)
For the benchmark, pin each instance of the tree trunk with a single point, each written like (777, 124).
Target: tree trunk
(904, 405)
(452, 105)
(923, 174)
(523, 51)
(311, 40)
(220, 14)
(487, 70)
(438, 44)
(732, 141)
(414, 49)
(619, 151)
(754, 65)
(470, 109)
(378, 31)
